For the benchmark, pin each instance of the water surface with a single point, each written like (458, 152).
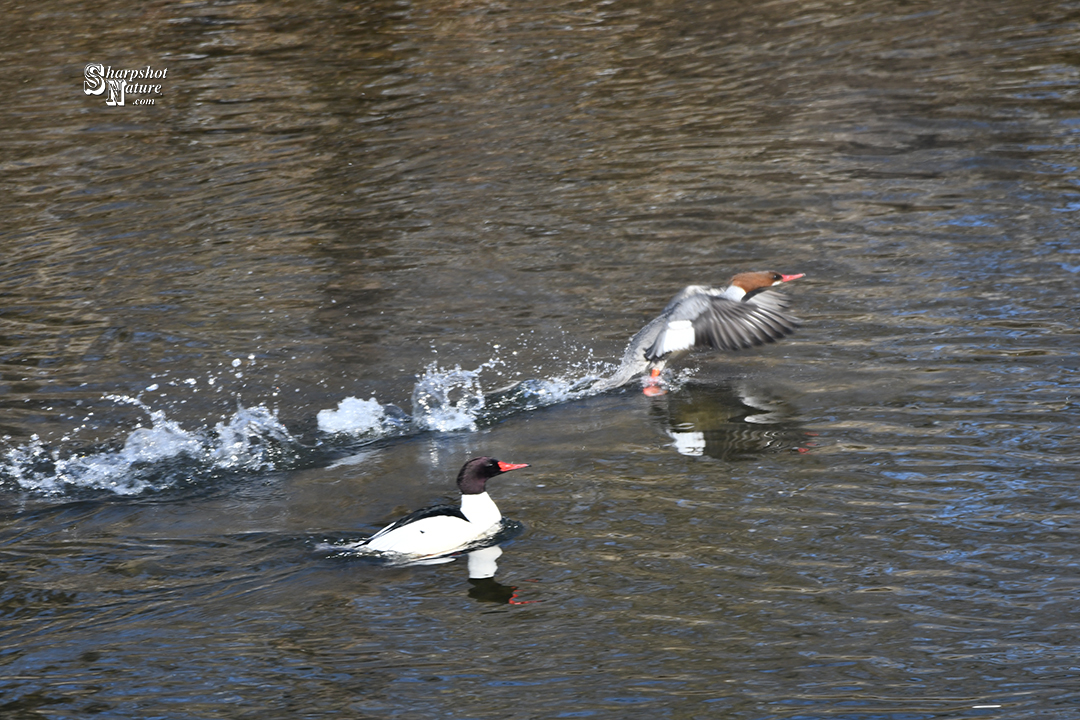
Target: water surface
(352, 245)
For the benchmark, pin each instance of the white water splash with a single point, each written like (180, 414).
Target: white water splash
(352, 416)
(454, 399)
(446, 400)
(165, 454)
(245, 440)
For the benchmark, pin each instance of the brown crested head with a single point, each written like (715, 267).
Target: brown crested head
(752, 282)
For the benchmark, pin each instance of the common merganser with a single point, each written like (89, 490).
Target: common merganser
(743, 314)
(445, 529)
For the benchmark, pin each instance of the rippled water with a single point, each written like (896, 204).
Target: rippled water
(351, 245)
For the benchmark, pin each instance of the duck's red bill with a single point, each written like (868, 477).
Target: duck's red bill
(507, 467)
(789, 278)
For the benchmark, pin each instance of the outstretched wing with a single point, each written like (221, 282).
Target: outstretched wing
(716, 321)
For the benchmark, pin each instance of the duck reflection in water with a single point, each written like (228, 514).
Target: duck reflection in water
(728, 422)
(485, 588)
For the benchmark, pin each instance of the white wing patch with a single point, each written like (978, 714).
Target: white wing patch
(678, 335)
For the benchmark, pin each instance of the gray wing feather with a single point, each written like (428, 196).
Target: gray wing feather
(731, 325)
(720, 322)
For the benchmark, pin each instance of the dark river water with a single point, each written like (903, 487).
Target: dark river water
(352, 244)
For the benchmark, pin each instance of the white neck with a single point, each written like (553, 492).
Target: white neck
(734, 292)
(480, 510)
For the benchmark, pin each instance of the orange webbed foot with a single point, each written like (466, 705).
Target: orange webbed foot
(652, 384)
